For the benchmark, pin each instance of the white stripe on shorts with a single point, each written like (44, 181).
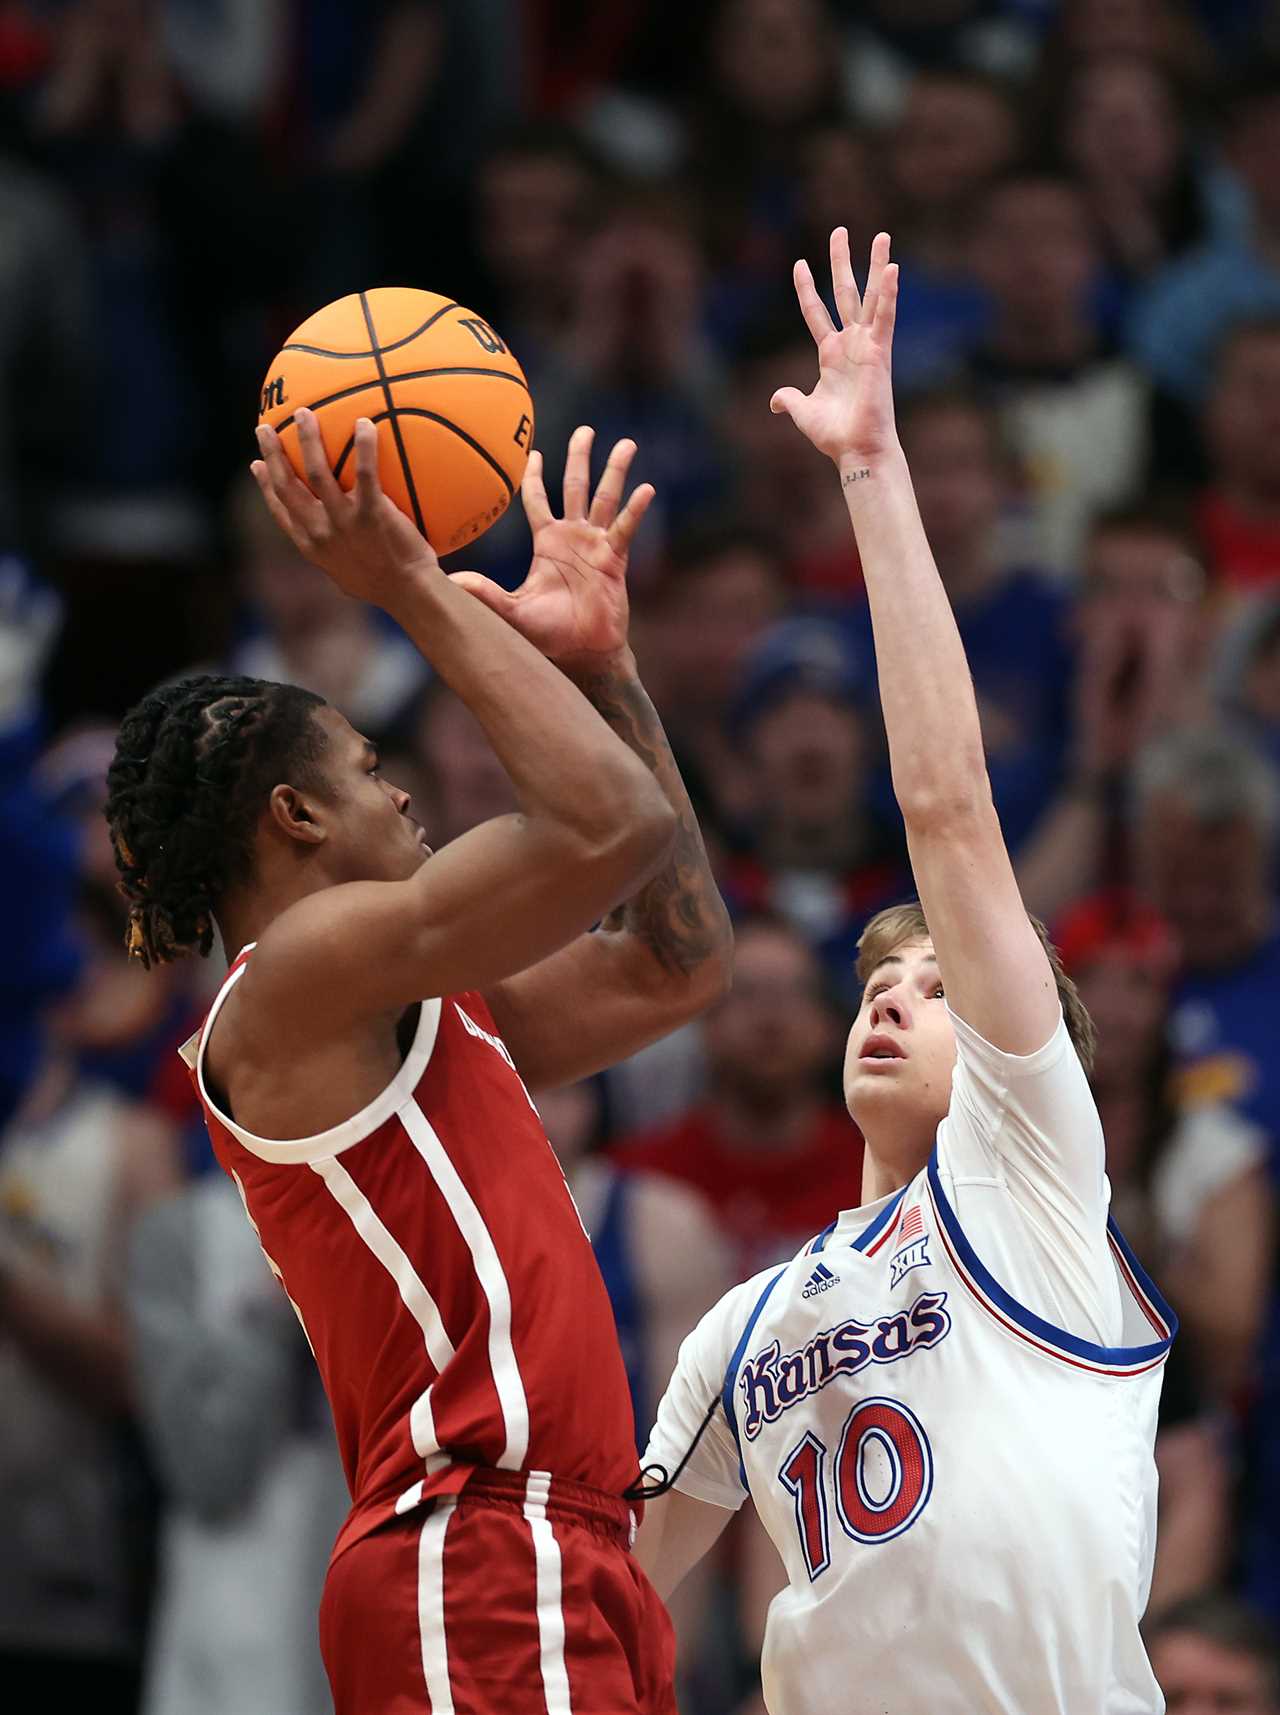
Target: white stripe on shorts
(435, 1654)
(546, 1559)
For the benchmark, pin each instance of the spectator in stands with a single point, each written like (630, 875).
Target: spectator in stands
(536, 199)
(231, 1409)
(1213, 1655)
(635, 361)
(1073, 409)
(816, 849)
(1141, 633)
(37, 853)
(1120, 127)
(770, 1148)
(150, 177)
(957, 130)
(47, 354)
(1166, 31)
(537, 194)
(1238, 514)
(772, 73)
(1179, 322)
(722, 586)
(776, 487)
(664, 1258)
(889, 42)
(1207, 811)
(308, 633)
(123, 1029)
(1247, 672)
(1189, 1183)
(78, 1163)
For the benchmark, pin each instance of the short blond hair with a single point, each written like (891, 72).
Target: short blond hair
(897, 925)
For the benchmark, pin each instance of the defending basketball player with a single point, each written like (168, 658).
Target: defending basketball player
(363, 1073)
(944, 1408)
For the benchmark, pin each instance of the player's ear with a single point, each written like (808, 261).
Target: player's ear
(296, 815)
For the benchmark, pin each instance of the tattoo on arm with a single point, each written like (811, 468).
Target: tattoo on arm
(679, 915)
(852, 476)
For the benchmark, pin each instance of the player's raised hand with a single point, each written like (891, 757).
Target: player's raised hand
(573, 603)
(849, 413)
(362, 540)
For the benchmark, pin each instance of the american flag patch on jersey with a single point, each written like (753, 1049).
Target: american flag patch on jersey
(911, 1225)
(910, 1245)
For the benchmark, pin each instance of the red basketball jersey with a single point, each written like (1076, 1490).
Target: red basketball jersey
(442, 1275)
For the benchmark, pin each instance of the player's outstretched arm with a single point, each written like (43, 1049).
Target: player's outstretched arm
(593, 823)
(995, 972)
(666, 953)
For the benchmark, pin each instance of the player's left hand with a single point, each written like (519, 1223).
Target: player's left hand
(573, 603)
(849, 414)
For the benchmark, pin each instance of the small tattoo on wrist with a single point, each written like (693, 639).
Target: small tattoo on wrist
(852, 476)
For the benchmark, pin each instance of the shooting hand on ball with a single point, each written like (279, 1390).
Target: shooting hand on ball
(573, 603)
(849, 413)
(362, 540)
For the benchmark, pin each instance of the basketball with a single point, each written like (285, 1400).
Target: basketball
(450, 403)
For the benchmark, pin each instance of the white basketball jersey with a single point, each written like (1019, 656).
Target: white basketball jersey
(944, 1410)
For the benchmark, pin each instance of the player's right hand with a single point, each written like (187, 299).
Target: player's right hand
(849, 414)
(362, 540)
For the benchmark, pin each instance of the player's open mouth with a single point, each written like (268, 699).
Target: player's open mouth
(882, 1048)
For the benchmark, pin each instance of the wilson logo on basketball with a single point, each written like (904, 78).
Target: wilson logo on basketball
(482, 333)
(273, 394)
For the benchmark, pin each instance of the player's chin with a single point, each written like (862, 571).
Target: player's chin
(876, 1083)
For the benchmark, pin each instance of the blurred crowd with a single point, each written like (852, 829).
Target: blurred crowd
(1085, 200)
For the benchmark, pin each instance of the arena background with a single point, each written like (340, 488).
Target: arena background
(1085, 200)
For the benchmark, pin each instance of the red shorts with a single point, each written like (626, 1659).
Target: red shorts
(503, 1600)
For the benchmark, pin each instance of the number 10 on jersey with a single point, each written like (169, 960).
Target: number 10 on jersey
(880, 1431)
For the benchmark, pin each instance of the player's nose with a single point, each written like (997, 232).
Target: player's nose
(889, 1005)
(401, 799)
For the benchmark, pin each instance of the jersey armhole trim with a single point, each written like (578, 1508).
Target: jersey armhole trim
(1057, 1342)
(322, 1145)
(731, 1373)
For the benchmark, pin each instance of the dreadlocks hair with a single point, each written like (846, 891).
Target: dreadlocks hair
(194, 765)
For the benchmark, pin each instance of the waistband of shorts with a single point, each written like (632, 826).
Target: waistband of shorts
(538, 1494)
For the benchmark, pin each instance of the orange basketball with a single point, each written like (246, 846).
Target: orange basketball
(451, 404)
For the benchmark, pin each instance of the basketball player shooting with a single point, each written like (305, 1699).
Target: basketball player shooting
(944, 1408)
(363, 1073)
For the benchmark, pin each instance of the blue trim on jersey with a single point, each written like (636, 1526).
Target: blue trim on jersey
(872, 1232)
(731, 1374)
(1159, 1303)
(819, 1243)
(1059, 1337)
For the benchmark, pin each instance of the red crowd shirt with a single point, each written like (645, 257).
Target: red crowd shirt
(439, 1268)
(1242, 554)
(767, 1202)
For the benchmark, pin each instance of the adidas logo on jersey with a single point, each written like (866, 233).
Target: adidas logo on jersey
(821, 1280)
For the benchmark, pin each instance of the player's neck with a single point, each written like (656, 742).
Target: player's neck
(888, 1170)
(243, 918)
